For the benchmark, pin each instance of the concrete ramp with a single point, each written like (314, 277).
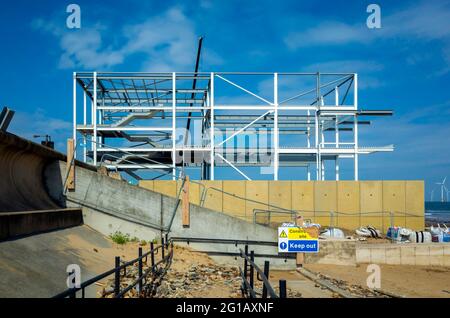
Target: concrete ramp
(35, 266)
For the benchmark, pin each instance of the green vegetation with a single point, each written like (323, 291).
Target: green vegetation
(143, 243)
(120, 238)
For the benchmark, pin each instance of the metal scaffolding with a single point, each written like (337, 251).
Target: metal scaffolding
(134, 122)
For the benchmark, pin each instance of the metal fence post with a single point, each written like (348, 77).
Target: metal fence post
(245, 261)
(140, 270)
(266, 273)
(252, 269)
(117, 277)
(162, 248)
(152, 253)
(282, 288)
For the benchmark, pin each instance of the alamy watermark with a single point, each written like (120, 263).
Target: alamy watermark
(74, 276)
(73, 21)
(374, 19)
(374, 279)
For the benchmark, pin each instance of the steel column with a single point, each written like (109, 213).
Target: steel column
(174, 115)
(212, 133)
(275, 136)
(94, 119)
(74, 133)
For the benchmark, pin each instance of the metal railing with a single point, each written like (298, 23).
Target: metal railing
(332, 218)
(247, 274)
(234, 242)
(120, 270)
(248, 278)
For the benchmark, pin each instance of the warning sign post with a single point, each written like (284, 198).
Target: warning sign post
(294, 239)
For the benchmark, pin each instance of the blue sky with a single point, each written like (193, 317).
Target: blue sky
(404, 66)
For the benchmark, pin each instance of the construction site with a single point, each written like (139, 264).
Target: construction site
(190, 184)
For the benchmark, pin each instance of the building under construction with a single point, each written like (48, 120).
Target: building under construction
(167, 122)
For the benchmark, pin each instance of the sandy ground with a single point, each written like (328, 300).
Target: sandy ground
(298, 286)
(408, 281)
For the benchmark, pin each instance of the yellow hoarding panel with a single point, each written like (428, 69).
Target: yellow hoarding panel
(303, 196)
(166, 187)
(348, 202)
(280, 196)
(257, 191)
(194, 193)
(394, 200)
(147, 184)
(232, 204)
(371, 203)
(325, 201)
(213, 197)
(415, 200)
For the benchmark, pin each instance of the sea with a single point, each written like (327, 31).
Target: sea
(437, 212)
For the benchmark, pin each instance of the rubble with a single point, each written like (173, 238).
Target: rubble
(198, 279)
(355, 290)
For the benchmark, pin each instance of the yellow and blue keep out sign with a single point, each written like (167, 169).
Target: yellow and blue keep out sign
(292, 239)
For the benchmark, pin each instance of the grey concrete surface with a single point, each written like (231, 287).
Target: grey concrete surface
(15, 224)
(111, 205)
(335, 252)
(35, 266)
(22, 186)
(22, 165)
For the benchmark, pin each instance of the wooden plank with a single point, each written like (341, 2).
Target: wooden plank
(70, 165)
(300, 259)
(185, 199)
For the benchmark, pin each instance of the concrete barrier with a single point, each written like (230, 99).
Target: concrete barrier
(424, 254)
(22, 181)
(15, 224)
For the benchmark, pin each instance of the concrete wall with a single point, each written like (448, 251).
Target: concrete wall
(404, 254)
(21, 169)
(111, 205)
(15, 224)
(356, 203)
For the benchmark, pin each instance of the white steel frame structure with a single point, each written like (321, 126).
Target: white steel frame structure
(133, 122)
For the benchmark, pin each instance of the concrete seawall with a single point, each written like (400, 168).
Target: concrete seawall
(22, 163)
(111, 205)
(16, 224)
(22, 181)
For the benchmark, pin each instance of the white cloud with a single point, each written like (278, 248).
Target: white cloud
(424, 22)
(366, 70)
(327, 33)
(420, 139)
(168, 42)
(427, 21)
(348, 66)
(84, 48)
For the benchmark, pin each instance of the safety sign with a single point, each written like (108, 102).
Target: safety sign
(294, 239)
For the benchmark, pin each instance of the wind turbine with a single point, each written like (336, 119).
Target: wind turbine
(443, 187)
